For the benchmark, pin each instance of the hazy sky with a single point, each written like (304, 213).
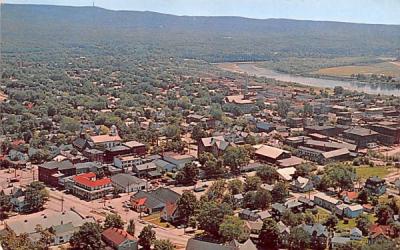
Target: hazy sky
(361, 11)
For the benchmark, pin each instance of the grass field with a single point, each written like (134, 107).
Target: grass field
(366, 172)
(386, 68)
(155, 219)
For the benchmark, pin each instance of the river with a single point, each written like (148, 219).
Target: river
(252, 69)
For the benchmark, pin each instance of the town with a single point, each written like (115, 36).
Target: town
(101, 150)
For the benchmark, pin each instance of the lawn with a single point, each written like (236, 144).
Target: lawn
(352, 223)
(386, 68)
(156, 219)
(366, 172)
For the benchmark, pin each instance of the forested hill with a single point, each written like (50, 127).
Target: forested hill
(25, 27)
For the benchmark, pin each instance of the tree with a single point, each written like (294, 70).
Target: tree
(46, 237)
(198, 133)
(88, 237)
(10, 241)
(69, 125)
(35, 196)
(363, 223)
(380, 245)
(235, 158)
(187, 205)
(291, 219)
(188, 174)
(331, 222)
(307, 109)
(384, 214)
(302, 170)
(5, 205)
(279, 192)
(283, 107)
(338, 90)
(262, 199)
(211, 215)
(113, 220)
(131, 227)
(268, 174)
(216, 191)
(269, 234)
(232, 228)
(252, 183)
(235, 186)
(363, 196)
(393, 204)
(339, 175)
(163, 245)
(298, 239)
(213, 168)
(146, 237)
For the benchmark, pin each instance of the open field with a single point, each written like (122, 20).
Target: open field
(366, 172)
(385, 68)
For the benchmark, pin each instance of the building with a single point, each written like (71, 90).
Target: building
(362, 137)
(126, 161)
(389, 132)
(88, 187)
(178, 160)
(271, 154)
(323, 130)
(349, 211)
(136, 148)
(215, 145)
(302, 185)
(375, 185)
(105, 141)
(119, 239)
(326, 201)
(126, 183)
(51, 172)
(153, 201)
(63, 225)
(170, 213)
(143, 170)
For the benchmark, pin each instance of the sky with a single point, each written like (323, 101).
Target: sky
(359, 11)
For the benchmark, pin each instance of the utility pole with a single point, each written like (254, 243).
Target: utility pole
(62, 203)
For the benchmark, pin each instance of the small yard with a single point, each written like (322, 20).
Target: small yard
(155, 219)
(352, 223)
(366, 172)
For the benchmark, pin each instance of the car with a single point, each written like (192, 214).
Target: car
(199, 189)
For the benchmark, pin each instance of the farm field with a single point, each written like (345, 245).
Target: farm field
(366, 172)
(385, 68)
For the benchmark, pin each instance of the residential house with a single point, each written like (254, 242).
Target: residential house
(126, 161)
(302, 185)
(349, 211)
(105, 141)
(247, 214)
(126, 183)
(286, 173)
(197, 244)
(356, 234)
(317, 230)
(153, 201)
(143, 170)
(63, 225)
(171, 213)
(119, 239)
(339, 241)
(326, 201)
(178, 160)
(284, 233)
(215, 145)
(375, 185)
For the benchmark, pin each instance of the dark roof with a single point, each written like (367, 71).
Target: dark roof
(117, 236)
(158, 197)
(126, 180)
(80, 143)
(196, 244)
(360, 131)
(318, 228)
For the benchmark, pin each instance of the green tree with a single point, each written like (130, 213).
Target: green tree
(252, 183)
(146, 237)
(235, 158)
(331, 222)
(88, 237)
(384, 214)
(298, 239)
(262, 199)
(5, 205)
(339, 176)
(235, 186)
(269, 234)
(69, 125)
(232, 228)
(198, 133)
(187, 204)
(131, 227)
(291, 219)
(35, 196)
(279, 192)
(163, 245)
(363, 196)
(283, 107)
(268, 174)
(188, 174)
(211, 215)
(338, 90)
(363, 223)
(114, 220)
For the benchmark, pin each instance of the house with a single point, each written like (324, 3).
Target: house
(126, 161)
(286, 173)
(317, 230)
(379, 232)
(153, 201)
(238, 199)
(18, 204)
(355, 234)
(339, 241)
(144, 169)
(362, 137)
(307, 203)
(375, 185)
(270, 154)
(247, 245)
(165, 166)
(349, 211)
(294, 206)
(215, 145)
(348, 196)
(254, 228)
(126, 183)
(119, 239)
(277, 209)
(106, 141)
(178, 160)
(264, 127)
(63, 225)
(293, 161)
(51, 172)
(86, 167)
(284, 232)
(302, 185)
(326, 201)
(136, 148)
(247, 214)
(170, 213)
(197, 244)
(88, 187)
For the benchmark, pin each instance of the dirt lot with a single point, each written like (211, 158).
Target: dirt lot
(386, 68)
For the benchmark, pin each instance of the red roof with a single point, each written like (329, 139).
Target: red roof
(116, 236)
(350, 195)
(140, 202)
(170, 208)
(377, 229)
(89, 180)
